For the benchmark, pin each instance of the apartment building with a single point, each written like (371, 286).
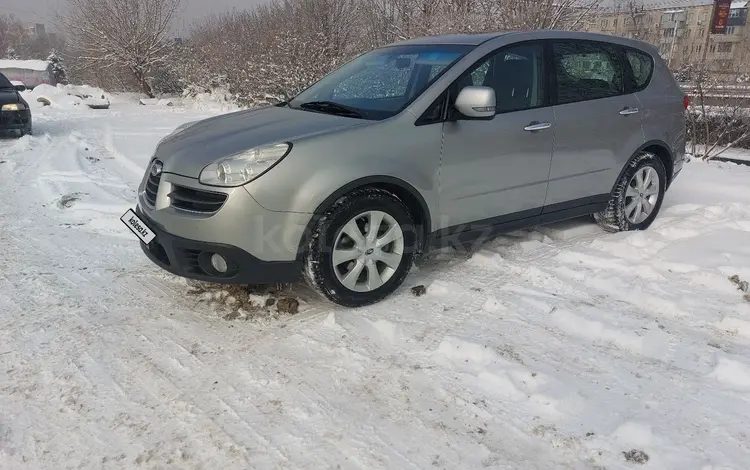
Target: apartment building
(681, 29)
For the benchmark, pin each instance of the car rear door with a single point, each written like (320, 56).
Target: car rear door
(597, 123)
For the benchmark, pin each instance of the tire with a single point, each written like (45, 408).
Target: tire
(620, 214)
(374, 270)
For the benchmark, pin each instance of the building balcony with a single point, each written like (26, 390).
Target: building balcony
(678, 24)
(720, 56)
(717, 38)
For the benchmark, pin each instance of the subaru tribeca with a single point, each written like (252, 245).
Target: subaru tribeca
(425, 143)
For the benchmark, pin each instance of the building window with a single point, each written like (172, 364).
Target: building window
(712, 48)
(685, 50)
(725, 47)
(604, 24)
(702, 32)
(668, 32)
(730, 30)
(614, 22)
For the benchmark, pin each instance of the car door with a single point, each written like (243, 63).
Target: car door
(496, 170)
(597, 124)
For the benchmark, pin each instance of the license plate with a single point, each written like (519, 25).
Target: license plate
(138, 227)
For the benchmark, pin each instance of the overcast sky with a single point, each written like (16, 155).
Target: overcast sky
(42, 10)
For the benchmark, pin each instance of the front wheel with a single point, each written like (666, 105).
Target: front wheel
(637, 196)
(362, 248)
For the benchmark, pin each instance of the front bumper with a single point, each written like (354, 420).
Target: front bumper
(239, 221)
(191, 259)
(15, 120)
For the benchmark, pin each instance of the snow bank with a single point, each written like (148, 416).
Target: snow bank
(67, 96)
(37, 65)
(217, 100)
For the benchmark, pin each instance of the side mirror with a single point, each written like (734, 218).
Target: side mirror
(20, 87)
(477, 102)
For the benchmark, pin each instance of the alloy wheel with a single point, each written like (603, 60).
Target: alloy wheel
(368, 251)
(642, 195)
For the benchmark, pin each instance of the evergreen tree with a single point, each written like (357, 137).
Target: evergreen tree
(58, 68)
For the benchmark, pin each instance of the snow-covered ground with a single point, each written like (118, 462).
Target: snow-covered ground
(532, 353)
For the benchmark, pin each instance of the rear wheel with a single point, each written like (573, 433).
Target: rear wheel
(637, 197)
(362, 248)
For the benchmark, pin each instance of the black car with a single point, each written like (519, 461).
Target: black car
(15, 115)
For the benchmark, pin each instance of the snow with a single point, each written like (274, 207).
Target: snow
(532, 353)
(36, 65)
(66, 96)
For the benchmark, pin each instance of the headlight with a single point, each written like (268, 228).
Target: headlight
(243, 167)
(13, 107)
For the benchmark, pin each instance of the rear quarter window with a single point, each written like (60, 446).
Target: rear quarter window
(642, 66)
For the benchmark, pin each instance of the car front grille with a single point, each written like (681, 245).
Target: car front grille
(195, 200)
(152, 187)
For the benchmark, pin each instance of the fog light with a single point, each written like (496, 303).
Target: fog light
(219, 263)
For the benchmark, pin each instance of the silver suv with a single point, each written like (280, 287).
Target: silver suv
(425, 143)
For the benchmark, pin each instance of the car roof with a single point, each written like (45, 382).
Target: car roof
(480, 38)
(452, 39)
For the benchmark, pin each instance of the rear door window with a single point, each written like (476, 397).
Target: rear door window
(586, 70)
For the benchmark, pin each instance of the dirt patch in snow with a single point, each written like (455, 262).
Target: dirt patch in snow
(263, 302)
(636, 456)
(419, 291)
(68, 200)
(741, 285)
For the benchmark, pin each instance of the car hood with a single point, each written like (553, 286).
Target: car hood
(186, 153)
(8, 97)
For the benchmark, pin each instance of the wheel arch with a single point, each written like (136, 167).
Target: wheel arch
(658, 148)
(398, 187)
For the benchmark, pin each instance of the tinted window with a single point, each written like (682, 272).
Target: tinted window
(586, 71)
(642, 66)
(515, 73)
(4, 82)
(381, 83)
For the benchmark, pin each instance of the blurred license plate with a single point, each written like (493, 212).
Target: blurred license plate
(138, 227)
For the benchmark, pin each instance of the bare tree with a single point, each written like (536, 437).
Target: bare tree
(537, 14)
(116, 35)
(271, 52)
(12, 34)
(719, 114)
(637, 24)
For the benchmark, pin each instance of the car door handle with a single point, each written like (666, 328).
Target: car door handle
(537, 126)
(629, 111)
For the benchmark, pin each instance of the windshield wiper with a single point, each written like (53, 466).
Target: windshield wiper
(332, 108)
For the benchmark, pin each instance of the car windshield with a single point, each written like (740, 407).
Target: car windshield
(380, 83)
(4, 82)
